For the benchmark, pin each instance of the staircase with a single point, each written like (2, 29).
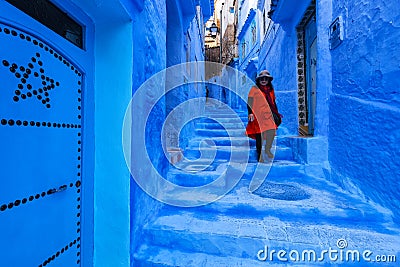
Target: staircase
(290, 211)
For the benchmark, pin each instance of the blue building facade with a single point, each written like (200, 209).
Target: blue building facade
(166, 33)
(365, 84)
(334, 65)
(248, 37)
(74, 203)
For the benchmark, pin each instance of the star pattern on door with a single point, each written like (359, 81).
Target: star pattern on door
(25, 89)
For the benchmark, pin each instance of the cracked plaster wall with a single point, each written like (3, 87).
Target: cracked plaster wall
(365, 101)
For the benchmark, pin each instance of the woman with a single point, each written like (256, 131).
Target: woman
(260, 105)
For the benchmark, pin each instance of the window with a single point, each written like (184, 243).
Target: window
(243, 79)
(188, 52)
(232, 9)
(254, 34)
(53, 18)
(243, 49)
(265, 22)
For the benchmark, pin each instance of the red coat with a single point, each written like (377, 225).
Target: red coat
(263, 119)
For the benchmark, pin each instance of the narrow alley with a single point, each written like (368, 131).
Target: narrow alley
(291, 211)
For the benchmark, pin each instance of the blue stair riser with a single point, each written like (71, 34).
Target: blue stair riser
(278, 169)
(215, 125)
(219, 154)
(200, 178)
(150, 256)
(283, 141)
(193, 153)
(219, 245)
(221, 133)
(342, 216)
(226, 115)
(244, 120)
(237, 141)
(191, 179)
(226, 141)
(239, 246)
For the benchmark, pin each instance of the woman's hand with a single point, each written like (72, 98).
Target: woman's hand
(251, 117)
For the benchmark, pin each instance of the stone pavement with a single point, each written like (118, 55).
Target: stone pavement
(311, 221)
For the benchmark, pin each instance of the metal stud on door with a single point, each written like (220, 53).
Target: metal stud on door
(40, 140)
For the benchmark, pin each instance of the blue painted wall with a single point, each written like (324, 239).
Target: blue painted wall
(149, 57)
(163, 36)
(357, 111)
(247, 62)
(365, 101)
(111, 176)
(249, 52)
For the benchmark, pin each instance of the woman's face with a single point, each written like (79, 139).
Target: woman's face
(264, 80)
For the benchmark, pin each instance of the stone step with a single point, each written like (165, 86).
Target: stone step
(224, 152)
(220, 132)
(293, 198)
(286, 192)
(196, 172)
(240, 127)
(235, 141)
(276, 168)
(202, 172)
(239, 154)
(223, 110)
(150, 256)
(222, 141)
(239, 237)
(223, 120)
(215, 125)
(286, 209)
(225, 114)
(229, 119)
(193, 175)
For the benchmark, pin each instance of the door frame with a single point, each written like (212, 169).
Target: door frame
(310, 44)
(302, 76)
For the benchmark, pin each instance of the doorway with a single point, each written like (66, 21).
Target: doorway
(41, 136)
(307, 71)
(311, 73)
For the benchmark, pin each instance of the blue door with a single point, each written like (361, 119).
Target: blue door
(311, 72)
(41, 151)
